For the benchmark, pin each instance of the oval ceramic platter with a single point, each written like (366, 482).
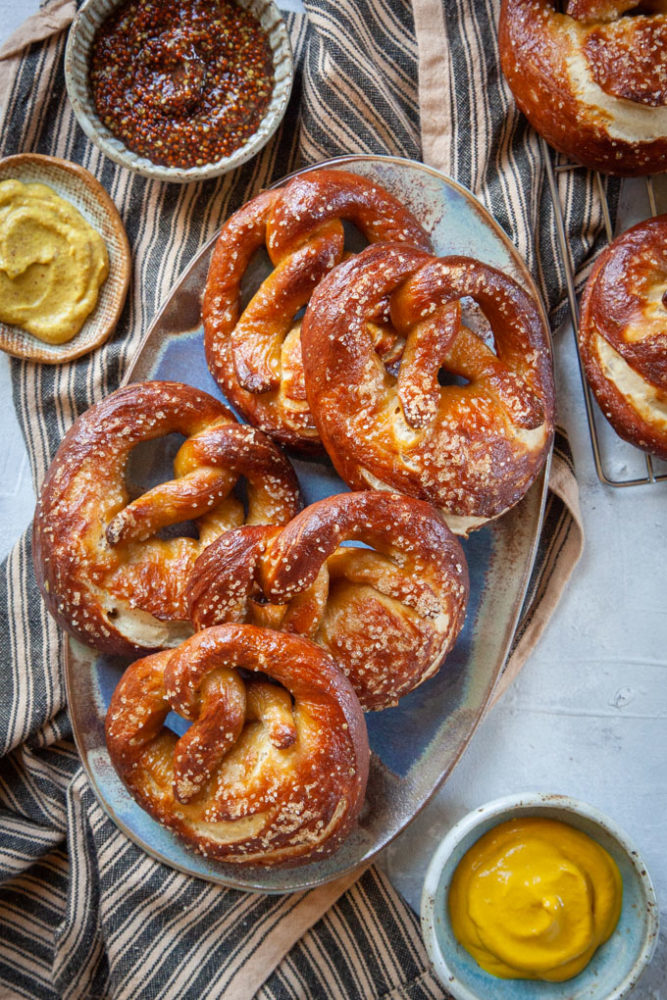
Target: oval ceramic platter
(416, 744)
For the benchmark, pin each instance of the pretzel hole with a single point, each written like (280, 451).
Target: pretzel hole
(446, 378)
(260, 265)
(473, 317)
(151, 463)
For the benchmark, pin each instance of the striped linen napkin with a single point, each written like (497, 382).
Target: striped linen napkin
(83, 912)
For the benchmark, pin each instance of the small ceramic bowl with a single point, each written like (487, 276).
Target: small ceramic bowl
(77, 186)
(77, 58)
(615, 966)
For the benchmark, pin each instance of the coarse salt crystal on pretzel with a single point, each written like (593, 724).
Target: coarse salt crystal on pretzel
(267, 773)
(473, 449)
(388, 613)
(623, 334)
(254, 351)
(105, 574)
(591, 80)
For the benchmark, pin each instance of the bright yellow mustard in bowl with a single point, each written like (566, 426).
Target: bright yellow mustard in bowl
(534, 898)
(52, 262)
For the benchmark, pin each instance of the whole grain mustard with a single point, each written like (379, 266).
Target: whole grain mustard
(534, 898)
(52, 262)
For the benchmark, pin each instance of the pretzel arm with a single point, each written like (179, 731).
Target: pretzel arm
(169, 503)
(272, 705)
(316, 197)
(223, 577)
(241, 237)
(418, 388)
(273, 489)
(217, 726)
(258, 336)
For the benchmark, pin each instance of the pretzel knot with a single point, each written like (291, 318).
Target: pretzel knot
(254, 352)
(472, 450)
(388, 613)
(592, 81)
(268, 773)
(106, 575)
(623, 334)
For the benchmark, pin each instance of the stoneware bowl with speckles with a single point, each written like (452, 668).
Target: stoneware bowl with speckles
(616, 965)
(77, 59)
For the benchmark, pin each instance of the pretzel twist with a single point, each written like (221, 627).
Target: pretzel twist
(623, 334)
(105, 575)
(388, 614)
(472, 450)
(267, 774)
(592, 81)
(254, 351)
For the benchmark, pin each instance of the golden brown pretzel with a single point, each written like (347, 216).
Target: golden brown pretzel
(623, 334)
(105, 575)
(388, 614)
(472, 450)
(592, 81)
(254, 352)
(266, 774)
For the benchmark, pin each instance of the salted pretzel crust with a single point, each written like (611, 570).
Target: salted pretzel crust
(253, 350)
(623, 334)
(388, 613)
(272, 770)
(105, 574)
(592, 81)
(472, 450)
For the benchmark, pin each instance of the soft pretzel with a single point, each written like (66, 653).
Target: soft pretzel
(388, 614)
(623, 334)
(254, 351)
(472, 450)
(592, 81)
(267, 774)
(105, 574)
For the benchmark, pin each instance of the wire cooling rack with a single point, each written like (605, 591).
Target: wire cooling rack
(616, 462)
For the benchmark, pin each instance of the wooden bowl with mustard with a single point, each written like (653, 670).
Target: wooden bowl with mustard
(64, 259)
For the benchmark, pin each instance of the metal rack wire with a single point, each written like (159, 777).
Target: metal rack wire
(593, 413)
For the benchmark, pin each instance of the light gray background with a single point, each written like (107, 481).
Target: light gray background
(587, 715)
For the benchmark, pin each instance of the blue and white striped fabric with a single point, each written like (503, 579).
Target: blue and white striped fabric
(83, 912)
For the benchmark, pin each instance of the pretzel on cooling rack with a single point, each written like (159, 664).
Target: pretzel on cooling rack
(254, 352)
(268, 773)
(623, 334)
(472, 450)
(592, 81)
(388, 614)
(105, 574)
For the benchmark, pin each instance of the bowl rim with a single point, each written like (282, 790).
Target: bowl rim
(525, 802)
(116, 150)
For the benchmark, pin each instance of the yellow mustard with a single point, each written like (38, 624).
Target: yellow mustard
(534, 898)
(52, 262)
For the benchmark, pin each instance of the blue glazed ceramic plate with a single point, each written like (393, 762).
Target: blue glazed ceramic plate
(415, 745)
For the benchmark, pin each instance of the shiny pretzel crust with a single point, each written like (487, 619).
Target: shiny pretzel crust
(592, 82)
(254, 352)
(472, 450)
(623, 334)
(266, 774)
(388, 614)
(105, 575)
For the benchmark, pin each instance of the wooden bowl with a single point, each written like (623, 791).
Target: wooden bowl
(81, 189)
